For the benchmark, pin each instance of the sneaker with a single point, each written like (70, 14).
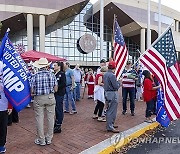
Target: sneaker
(100, 119)
(104, 112)
(66, 111)
(48, 142)
(73, 112)
(148, 121)
(114, 131)
(115, 126)
(124, 112)
(28, 106)
(2, 149)
(95, 117)
(39, 142)
(57, 130)
(132, 114)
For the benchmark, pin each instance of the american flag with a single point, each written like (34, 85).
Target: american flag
(120, 50)
(161, 60)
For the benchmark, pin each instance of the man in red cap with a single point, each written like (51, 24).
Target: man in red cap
(111, 86)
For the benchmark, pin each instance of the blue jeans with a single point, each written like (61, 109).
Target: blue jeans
(77, 91)
(69, 98)
(149, 108)
(59, 110)
(131, 92)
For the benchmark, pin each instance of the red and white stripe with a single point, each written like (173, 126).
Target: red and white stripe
(120, 57)
(126, 82)
(169, 78)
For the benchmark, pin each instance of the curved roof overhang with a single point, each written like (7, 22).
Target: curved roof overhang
(128, 25)
(17, 21)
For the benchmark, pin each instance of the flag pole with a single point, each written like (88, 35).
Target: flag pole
(112, 51)
(152, 44)
(8, 30)
(148, 24)
(101, 28)
(159, 18)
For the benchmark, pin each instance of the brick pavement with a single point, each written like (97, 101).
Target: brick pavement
(79, 131)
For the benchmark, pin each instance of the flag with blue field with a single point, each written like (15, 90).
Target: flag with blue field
(162, 116)
(15, 76)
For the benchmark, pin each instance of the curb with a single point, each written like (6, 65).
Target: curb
(119, 140)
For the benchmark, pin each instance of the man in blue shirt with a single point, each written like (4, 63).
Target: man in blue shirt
(70, 85)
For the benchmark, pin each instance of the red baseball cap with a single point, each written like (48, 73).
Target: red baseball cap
(112, 65)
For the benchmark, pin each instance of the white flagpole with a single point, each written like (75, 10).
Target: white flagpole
(159, 18)
(8, 30)
(148, 25)
(101, 28)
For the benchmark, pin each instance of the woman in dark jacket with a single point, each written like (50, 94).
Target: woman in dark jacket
(59, 95)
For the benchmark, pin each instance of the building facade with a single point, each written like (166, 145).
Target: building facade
(132, 18)
(55, 27)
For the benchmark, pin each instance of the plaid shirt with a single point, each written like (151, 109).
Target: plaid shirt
(43, 82)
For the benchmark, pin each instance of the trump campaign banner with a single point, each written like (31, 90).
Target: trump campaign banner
(15, 76)
(161, 116)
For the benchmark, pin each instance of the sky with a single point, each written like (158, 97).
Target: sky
(175, 4)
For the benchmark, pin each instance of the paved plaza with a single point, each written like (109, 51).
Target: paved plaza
(79, 131)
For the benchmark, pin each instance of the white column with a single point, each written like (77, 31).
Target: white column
(101, 28)
(177, 26)
(30, 31)
(159, 18)
(142, 35)
(174, 25)
(42, 32)
(148, 25)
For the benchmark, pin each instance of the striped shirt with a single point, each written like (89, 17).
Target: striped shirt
(127, 78)
(43, 82)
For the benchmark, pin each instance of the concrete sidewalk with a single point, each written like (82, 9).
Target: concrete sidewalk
(79, 131)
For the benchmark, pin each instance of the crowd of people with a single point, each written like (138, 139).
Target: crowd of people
(56, 92)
